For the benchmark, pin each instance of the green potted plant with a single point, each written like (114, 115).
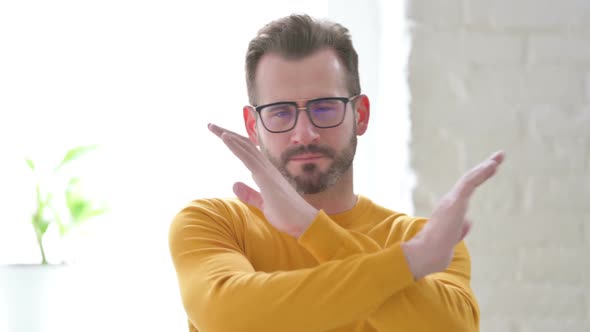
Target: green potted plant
(30, 291)
(60, 200)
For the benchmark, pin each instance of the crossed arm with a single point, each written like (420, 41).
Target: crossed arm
(222, 292)
(420, 282)
(437, 302)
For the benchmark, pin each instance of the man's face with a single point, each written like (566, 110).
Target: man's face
(311, 158)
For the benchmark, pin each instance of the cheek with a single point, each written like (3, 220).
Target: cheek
(340, 137)
(275, 144)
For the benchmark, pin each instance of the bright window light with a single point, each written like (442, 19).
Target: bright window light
(141, 79)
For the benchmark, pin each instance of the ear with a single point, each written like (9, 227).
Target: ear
(250, 123)
(362, 108)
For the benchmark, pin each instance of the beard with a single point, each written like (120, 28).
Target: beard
(312, 180)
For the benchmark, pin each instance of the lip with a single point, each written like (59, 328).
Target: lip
(307, 157)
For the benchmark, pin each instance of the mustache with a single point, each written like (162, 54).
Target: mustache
(303, 149)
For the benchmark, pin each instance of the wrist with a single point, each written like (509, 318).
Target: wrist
(416, 258)
(307, 216)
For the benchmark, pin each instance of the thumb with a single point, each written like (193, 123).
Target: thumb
(248, 195)
(467, 224)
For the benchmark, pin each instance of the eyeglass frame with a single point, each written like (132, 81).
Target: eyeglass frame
(344, 100)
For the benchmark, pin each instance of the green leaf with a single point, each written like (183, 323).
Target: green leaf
(82, 210)
(79, 210)
(49, 199)
(63, 229)
(31, 164)
(74, 154)
(97, 212)
(73, 193)
(40, 223)
(43, 225)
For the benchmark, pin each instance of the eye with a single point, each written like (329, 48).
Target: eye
(279, 112)
(323, 109)
(326, 106)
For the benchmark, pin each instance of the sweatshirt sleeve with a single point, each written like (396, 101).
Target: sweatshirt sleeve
(442, 301)
(221, 291)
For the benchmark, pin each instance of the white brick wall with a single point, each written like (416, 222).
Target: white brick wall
(513, 75)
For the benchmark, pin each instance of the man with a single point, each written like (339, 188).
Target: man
(305, 253)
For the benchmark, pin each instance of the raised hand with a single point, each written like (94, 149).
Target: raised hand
(431, 250)
(282, 206)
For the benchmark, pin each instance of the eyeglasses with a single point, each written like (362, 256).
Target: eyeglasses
(322, 112)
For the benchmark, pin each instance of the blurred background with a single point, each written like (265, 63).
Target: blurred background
(450, 82)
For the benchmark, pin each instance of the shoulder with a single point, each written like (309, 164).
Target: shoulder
(214, 207)
(210, 224)
(221, 213)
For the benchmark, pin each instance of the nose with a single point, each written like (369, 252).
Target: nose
(304, 132)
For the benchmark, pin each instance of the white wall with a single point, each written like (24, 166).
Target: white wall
(512, 75)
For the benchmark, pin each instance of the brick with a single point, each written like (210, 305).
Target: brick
(423, 200)
(556, 122)
(493, 268)
(495, 324)
(529, 301)
(501, 195)
(429, 113)
(553, 156)
(437, 186)
(552, 325)
(436, 83)
(502, 84)
(493, 48)
(495, 234)
(485, 118)
(558, 48)
(496, 197)
(434, 174)
(435, 13)
(539, 15)
(435, 46)
(478, 148)
(563, 193)
(515, 77)
(553, 85)
(555, 264)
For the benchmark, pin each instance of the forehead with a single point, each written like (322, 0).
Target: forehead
(320, 74)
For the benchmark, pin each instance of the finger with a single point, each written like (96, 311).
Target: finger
(228, 135)
(466, 228)
(216, 129)
(248, 195)
(219, 131)
(476, 176)
(498, 157)
(249, 155)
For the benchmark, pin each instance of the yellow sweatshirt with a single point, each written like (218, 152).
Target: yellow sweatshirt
(347, 272)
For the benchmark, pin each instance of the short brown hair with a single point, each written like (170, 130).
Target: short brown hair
(297, 36)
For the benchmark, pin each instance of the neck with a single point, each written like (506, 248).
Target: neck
(338, 198)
